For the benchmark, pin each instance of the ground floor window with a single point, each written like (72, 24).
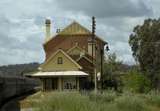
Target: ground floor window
(69, 83)
(60, 83)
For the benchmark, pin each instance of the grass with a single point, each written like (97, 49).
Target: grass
(106, 101)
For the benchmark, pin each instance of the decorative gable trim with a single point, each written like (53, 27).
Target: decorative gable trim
(81, 56)
(60, 50)
(84, 58)
(76, 46)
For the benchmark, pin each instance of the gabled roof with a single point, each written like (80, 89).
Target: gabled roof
(60, 50)
(75, 29)
(85, 54)
(76, 46)
(88, 66)
(85, 59)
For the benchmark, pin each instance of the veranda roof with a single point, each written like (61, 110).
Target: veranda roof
(58, 73)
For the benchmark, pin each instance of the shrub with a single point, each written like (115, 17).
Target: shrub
(65, 101)
(137, 82)
(130, 103)
(153, 98)
(104, 97)
(106, 101)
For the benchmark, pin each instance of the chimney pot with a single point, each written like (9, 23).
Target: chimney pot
(48, 21)
(48, 29)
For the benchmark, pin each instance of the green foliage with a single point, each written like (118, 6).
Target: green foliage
(130, 103)
(111, 67)
(153, 98)
(65, 101)
(111, 64)
(137, 82)
(104, 97)
(145, 45)
(105, 101)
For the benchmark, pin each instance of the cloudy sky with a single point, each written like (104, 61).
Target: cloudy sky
(22, 24)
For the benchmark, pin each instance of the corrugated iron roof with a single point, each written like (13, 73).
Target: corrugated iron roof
(59, 73)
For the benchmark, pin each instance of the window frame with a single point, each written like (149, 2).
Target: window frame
(59, 60)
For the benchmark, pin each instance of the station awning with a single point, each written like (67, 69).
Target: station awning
(58, 73)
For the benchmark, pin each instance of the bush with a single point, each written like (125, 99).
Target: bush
(153, 98)
(104, 97)
(130, 103)
(137, 82)
(106, 101)
(65, 101)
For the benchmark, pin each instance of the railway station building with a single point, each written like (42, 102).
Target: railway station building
(72, 58)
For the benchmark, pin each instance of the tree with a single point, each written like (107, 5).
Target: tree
(111, 66)
(145, 45)
(135, 81)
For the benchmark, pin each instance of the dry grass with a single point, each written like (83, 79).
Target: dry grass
(106, 101)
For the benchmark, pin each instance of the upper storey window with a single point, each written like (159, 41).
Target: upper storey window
(90, 51)
(60, 60)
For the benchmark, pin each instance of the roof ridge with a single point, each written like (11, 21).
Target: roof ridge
(85, 58)
(68, 26)
(72, 24)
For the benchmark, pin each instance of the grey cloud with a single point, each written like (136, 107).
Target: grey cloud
(21, 36)
(122, 51)
(12, 39)
(108, 8)
(17, 56)
(12, 49)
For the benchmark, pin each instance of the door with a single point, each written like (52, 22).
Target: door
(54, 83)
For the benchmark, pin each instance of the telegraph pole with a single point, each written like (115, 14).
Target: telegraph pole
(94, 51)
(93, 36)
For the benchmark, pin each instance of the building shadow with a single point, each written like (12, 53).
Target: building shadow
(14, 105)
